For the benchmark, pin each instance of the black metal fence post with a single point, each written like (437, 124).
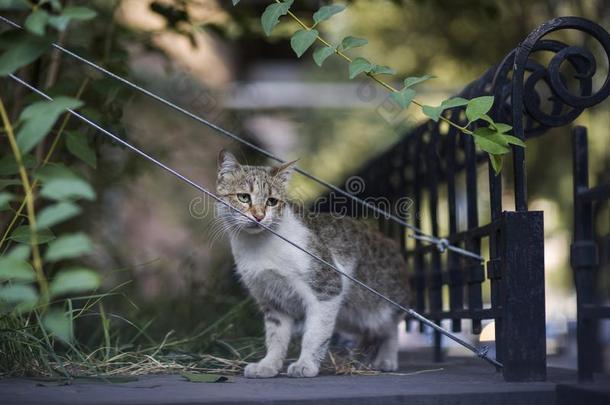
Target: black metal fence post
(584, 259)
(523, 314)
(435, 284)
(454, 273)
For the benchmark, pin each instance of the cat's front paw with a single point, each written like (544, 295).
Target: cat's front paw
(303, 368)
(385, 364)
(260, 370)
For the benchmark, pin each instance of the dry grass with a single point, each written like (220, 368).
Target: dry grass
(139, 363)
(34, 357)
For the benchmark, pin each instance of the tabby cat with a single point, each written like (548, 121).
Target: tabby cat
(295, 291)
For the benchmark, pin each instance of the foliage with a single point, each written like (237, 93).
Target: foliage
(52, 319)
(488, 135)
(38, 275)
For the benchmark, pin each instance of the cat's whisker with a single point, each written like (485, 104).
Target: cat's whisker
(221, 226)
(216, 224)
(225, 229)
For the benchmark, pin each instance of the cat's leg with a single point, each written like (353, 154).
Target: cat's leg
(278, 329)
(386, 358)
(320, 321)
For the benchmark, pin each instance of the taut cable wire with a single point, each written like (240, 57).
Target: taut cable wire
(442, 244)
(482, 353)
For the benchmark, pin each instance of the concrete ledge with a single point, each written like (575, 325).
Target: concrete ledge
(597, 393)
(462, 381)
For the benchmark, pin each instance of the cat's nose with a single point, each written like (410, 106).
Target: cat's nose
(259, 216)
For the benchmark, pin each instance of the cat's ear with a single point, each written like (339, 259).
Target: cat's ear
(227, 162)
(284, 170)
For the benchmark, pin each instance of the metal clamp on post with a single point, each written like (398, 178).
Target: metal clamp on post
(584, 254)
(494, 269)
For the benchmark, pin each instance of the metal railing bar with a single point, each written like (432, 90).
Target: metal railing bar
(595, 194)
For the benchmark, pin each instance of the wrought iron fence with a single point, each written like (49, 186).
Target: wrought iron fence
(435, 159)
(589, 252)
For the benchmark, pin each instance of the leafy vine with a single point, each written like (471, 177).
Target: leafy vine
(37, 281)
(493, 138)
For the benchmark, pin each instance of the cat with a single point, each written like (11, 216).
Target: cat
(294, 289)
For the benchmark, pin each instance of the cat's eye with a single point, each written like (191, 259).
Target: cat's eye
(272, 202)
(244, 198)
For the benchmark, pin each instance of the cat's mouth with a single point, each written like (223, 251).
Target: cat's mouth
(255, 227)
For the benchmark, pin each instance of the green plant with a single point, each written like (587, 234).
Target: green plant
(40, 273)
(492, 138)
(50, 322)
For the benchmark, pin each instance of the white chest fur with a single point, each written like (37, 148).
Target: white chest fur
(257, 253)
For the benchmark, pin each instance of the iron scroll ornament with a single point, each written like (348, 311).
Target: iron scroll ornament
(537, 121)
(524, 97)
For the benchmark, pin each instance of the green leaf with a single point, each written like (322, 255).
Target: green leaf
(454, 102)
(21, 50)
(22, 235)
(79, 13)
(321, 54)
(359, 65)
(382, 70)
(54, 171)
(9, 166)
(488, 119)
(14, 5)
(205, 378)
(59, 324)
(37, 21)
(486, 131)
(434, 113)
(55, 4)
(39, 118)
(75, 280)
(57, 213)
(60, 22)
(502, 128)
(273, 12)
(496, 163)
(302, 40)
(67, 189)
(78, 146)
(490, 141)
(490, 145)
(68, 247)
(19, 252)
(60, 183)
(23, 294)
(4, 183)
(403, 97)
(412, 81)
(352, 42)
(16, 270)
(479, 106)
(5, 198)
(513, 140)
(325, 12)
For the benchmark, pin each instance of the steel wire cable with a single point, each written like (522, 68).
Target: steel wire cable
(481, 353)
(441, 243)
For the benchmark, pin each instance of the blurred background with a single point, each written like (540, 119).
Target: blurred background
(152, 232)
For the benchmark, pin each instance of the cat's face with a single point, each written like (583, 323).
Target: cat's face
(257, 191)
